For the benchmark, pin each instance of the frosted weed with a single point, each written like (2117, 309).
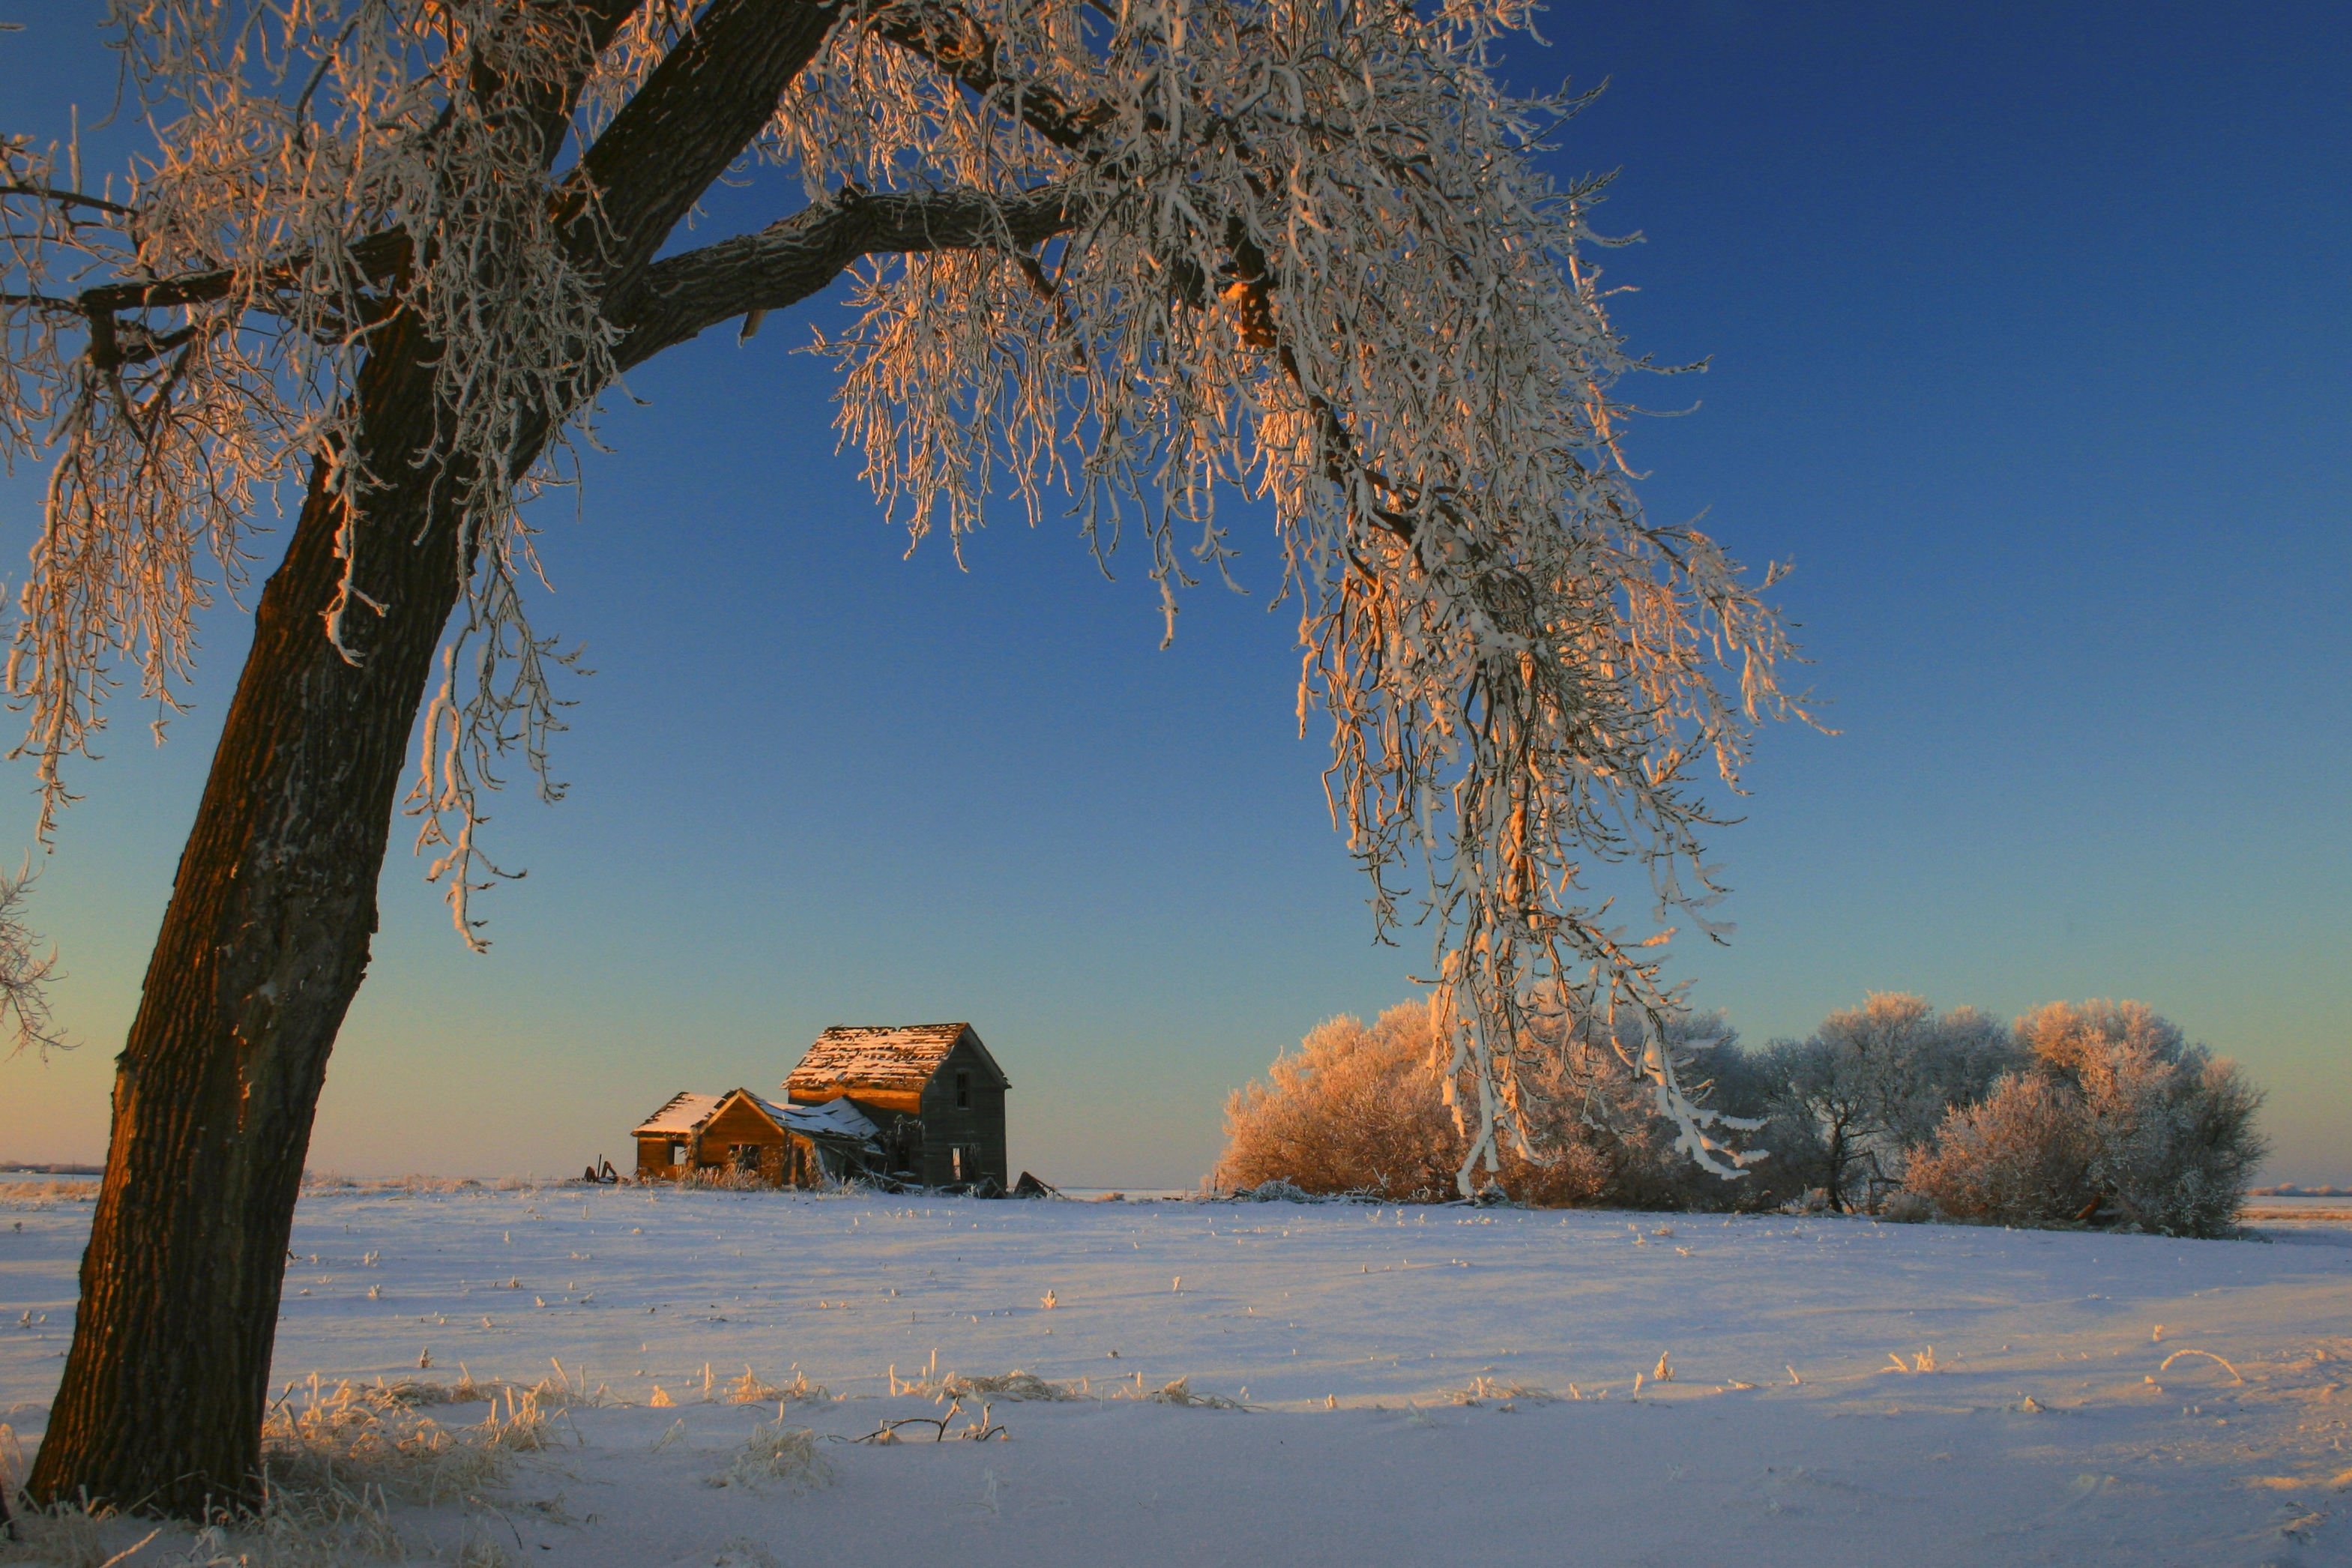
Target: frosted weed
(749, 1389)
(65, 1537)
(1180, 1393)
(1482, 1389)
(775, 1452)
(1014, 1384)
(373, 1439)
(978, 1429)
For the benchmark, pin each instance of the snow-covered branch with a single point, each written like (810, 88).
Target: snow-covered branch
(1146, 256)
(794, 258)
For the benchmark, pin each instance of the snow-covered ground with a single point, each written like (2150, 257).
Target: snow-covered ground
(2033, 1417)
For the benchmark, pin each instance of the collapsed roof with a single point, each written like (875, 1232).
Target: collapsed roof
(835, 1122)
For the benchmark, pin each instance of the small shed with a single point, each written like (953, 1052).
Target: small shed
(932, 1092)
(739, 1132)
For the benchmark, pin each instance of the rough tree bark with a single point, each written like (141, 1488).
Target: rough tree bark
(263, 946)
(265, 938)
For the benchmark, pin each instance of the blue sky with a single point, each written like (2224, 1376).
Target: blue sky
(2028, 342)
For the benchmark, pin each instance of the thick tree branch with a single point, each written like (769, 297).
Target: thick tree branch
(380, 257)
(692, 117)
(696, 112)
(793, 259)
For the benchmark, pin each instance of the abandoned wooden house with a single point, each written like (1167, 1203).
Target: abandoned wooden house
(923, 1105)
(739, 1132)
(933, 1093)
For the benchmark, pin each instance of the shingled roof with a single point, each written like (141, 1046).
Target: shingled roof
(879, 1056)
(684, 1113)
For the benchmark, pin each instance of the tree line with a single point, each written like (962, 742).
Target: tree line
(2076, 1113)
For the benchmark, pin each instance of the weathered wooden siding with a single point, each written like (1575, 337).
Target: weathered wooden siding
(979, 1125)
(737, 1123)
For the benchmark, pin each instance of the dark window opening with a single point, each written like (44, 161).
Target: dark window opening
(964, 1092)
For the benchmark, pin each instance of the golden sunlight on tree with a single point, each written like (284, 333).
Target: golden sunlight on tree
(386, 254)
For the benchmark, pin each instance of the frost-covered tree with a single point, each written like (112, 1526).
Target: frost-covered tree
(26, 973)
(2114, 1113)
(2174, 1125)
(1355, 1108)
(386, 256)
(1362, 1108)
(1875, 1081)
(2022, 1156)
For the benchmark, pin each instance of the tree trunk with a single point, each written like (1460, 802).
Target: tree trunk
(265, 938)
(263, 946)
(1836, 1162)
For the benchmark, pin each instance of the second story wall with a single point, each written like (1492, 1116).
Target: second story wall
(976, 1123)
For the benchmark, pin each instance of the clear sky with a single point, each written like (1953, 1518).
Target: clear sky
(2030, 348)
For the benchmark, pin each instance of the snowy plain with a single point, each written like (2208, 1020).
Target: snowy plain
(1841, 1392)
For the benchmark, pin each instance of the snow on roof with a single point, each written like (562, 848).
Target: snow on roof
(875, 1056)
(837, 1120)
(834, 1119)
(684, 1113)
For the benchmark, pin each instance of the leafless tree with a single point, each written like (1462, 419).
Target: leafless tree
(26, 971)
(386, 256)
(1875, 1081)
(2174, 1126)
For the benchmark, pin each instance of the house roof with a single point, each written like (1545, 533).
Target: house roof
(836, 1120)
(684, 1113)
(880, 1057)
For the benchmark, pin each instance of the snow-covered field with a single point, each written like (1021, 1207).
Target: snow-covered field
(1841, 1392)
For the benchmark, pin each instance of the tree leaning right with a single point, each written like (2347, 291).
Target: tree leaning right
(388, 254)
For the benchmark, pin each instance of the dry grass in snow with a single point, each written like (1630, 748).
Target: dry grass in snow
(1810, 1391)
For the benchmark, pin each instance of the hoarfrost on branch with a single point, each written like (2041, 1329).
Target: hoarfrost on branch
(1133, 252)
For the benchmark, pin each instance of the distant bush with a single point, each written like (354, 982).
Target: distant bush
(2117, 1114)
(1848, 1103)
(2022, 1157)
(1275, 1192)
(2177, 1144)
(2101, 1111)
(1355, 1108)
(1361, 1109)
(1908, 1208)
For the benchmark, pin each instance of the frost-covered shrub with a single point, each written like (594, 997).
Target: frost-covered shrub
(1356, 1108)
(2117, 1113)
(2175, 1125)
(2022, 1157)
(1908, 1208)
(1360, 1108)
